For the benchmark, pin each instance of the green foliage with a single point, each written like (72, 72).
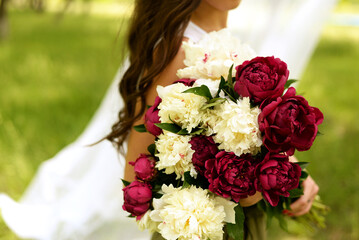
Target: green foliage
(227, 86)
(152, 149)
(171, 127)
(125, 183)
(213, 102)
(296, 193)
(200, 181)
(203, 91)
(53, 76)
(140, 128)
(289, 82)
(236, 231)
(303, 165)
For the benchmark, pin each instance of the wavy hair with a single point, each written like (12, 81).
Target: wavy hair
(156, 28)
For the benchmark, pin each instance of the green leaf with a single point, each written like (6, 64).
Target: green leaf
(125, 183)
(319, 134)
(229, 95)
(152, 149)
(304, 175)
(157, 195)
(183, 132)
(222, 83)
(212, 103)
(236, 231)
(171, 127)
(203, 91)
(197, 131)
(140, 128)
(186, 185)
(296, 193)
(302, 165)
(229, 78)
(289, 82)
(287, 203)
(189, 179)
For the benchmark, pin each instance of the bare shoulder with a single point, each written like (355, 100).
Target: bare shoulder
(168, 75)
(138, 142)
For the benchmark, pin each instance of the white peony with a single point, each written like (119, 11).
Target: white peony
(214, 55)
(147, 223)
(190, 213)
(175, 154)
(235, 126)
(182, 108)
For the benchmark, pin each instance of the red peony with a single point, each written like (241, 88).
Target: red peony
(144, 167)
(289, 123)
(230, 175)
(151, 117)
(260, 78)
(275, 176)
(137, 197)
(205, 148)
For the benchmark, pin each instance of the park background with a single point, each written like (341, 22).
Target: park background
(58, 57)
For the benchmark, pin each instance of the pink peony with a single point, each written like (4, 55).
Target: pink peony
(137, 197)
(151, 117)
(289, 123)
(260, 78)
(230, 175)
(275, 176)
(144, 167)
(205, 148)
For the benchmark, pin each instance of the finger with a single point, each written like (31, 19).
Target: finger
(300, 204)
(303, 211)
(304, 203)
(310, 189)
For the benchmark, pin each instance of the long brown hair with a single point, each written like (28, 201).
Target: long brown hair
(157, 28)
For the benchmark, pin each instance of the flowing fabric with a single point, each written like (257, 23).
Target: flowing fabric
(77, 194)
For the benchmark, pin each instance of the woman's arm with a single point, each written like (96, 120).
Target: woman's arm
(304, 203)
(138, 142)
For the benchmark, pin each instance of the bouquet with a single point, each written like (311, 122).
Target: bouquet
(224, 132)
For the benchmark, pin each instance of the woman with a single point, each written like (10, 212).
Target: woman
(154, 41)
(67, 196)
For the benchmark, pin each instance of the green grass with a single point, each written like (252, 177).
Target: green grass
(331, 82)
(54, 74)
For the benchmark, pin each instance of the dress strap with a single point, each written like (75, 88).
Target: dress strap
(194, 32)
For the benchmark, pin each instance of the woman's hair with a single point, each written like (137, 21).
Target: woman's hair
(154, 38)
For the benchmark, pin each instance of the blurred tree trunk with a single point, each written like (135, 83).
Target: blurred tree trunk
(61, 14)
(37, 5)
(4, 24)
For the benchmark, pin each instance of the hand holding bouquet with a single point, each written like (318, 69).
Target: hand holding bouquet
(224, 132)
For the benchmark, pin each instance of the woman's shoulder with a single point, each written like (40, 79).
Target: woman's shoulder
(169, 73)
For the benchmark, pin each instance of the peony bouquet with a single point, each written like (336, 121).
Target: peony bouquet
(224, 132)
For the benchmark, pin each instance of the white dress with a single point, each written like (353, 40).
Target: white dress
(77, 194)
